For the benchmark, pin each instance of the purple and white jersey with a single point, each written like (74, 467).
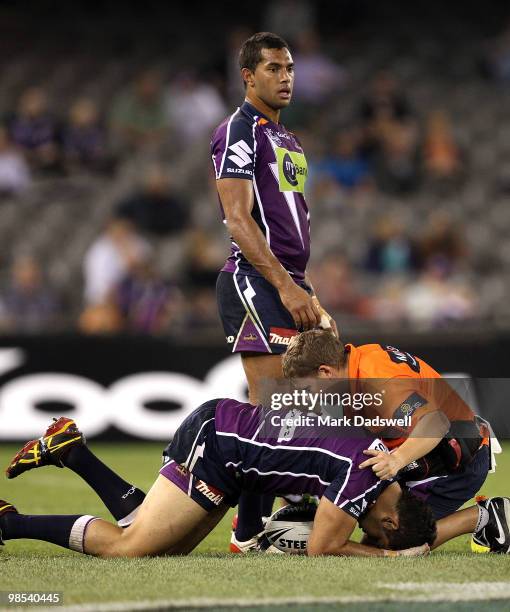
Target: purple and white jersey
(249, 146)
(300, 463)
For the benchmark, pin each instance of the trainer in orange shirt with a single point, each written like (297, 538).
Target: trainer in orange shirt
(408, 386)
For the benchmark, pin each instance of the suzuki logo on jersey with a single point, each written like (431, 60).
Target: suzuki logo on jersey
(242, 154)
(280, 335)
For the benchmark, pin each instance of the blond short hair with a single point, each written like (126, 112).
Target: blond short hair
(311, 349)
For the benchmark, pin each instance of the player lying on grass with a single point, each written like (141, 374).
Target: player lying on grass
(445, 470)
(217, 453)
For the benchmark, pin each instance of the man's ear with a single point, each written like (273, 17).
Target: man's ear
(247, 75)
(325, 371)
(390, 523)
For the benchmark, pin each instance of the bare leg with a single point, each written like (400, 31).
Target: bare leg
(257, 367)
(252, 506)
(456, 524)
(168, 522)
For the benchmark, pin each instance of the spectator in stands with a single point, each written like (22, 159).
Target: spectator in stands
(390, 249)
(318, 78)
(193, 108)
(204, 257)
(30, 304)
(14, 171)
(442, 156)
(443, 239)
(437, 299)
(335, 282)
(114, 253)
(84, 138)
(155, 208)
(385, 101)
(347, 166)
(397, 158)
(34, 130)
(496, 57)
(317, 75)
(146, 303)
(235, 87)
(138, 115)
(290, 17)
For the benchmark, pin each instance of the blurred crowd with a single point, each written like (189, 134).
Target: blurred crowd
(401, 269)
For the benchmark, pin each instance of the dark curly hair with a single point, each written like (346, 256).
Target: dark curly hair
(417, 524)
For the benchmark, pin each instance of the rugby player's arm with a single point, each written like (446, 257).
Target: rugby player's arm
(426, 435)
(236, 196)
(332, 529)
(328, 318)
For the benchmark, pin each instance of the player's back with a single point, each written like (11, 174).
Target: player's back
(272, 456)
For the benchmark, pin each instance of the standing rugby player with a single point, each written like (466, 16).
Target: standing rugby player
(264, 296)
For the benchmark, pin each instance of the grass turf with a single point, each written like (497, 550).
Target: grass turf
(210, 573)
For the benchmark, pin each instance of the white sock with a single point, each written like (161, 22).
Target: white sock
(77, 535)
(483, 518)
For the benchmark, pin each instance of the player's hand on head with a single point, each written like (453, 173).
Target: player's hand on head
(301, 306)
(384, 465)
(326, 321)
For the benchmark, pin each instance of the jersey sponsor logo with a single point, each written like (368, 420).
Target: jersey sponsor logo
(240, 171)
(242, 153)
(292, 170)
(289, 170)
(398, 356)
(409, 406)
(276, 137)
(250, 338)
(210, 492)
(281, 335)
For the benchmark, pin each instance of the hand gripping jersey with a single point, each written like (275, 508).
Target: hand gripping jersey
(249, 146)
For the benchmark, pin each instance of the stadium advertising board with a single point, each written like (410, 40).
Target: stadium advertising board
(141, 387)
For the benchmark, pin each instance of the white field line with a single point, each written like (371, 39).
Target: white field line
(397, 592)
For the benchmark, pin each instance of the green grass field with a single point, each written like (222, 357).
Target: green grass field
(451, 577)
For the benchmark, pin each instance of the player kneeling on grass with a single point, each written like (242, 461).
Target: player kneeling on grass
(217, 453)
(445, 464)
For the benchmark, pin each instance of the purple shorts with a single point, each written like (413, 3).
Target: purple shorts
(253, 316)
(191, 461)
(205, 495)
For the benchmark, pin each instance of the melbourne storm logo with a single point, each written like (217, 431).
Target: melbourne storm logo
(289, 170)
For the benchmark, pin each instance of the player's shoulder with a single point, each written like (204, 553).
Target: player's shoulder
(381, 360)
(237, 125)
(231, 403)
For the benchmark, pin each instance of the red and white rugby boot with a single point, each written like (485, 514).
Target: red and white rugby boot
(49, 449)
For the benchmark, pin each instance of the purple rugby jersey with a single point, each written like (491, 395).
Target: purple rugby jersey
(300, 463)
(249, 146)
